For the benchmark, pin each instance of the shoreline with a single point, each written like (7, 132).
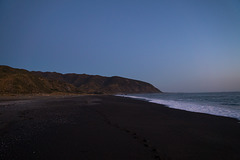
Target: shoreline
(16, 97)
(112, 127)
(194, 107)
(238, 120)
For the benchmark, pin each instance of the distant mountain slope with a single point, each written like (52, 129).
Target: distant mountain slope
(20, 81)
(101, 84)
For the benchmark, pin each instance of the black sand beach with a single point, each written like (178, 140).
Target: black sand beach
(110, 128)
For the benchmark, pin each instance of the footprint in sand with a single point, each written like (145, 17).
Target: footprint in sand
(146, 143)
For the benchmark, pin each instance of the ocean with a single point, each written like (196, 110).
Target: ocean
(225, 104)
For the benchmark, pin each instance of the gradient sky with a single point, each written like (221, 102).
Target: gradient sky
(177, 45)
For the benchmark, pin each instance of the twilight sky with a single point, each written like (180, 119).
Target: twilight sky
(177, 45)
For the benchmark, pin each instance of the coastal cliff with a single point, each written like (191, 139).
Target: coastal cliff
(20, 81)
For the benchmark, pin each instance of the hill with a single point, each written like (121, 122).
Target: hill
(101, 84)
(22, 81)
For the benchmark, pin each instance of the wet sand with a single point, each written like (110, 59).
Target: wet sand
(111, 128)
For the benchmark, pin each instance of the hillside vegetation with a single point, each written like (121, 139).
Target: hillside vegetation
(20, 81)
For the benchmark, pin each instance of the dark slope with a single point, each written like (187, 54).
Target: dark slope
(101, 84)
(20, 81)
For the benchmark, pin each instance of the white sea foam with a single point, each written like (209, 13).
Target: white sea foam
(193, 107)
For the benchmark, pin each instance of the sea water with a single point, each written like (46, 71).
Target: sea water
(222, 104)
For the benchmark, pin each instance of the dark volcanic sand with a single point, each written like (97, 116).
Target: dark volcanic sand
(110, 128)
